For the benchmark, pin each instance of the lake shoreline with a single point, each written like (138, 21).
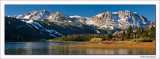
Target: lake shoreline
(149, 46)
(103, 42)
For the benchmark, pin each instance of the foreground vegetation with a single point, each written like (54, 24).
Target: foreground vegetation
(114, 45)
(147, 46)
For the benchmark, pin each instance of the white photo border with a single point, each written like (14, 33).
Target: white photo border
(3, 3)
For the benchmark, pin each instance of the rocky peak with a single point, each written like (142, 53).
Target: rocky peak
(142, 19)
(120, 19)
(79, 19)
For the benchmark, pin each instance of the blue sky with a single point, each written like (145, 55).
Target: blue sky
(147, 11)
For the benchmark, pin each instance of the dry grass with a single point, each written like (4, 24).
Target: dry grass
(148, 46)
(117, 45)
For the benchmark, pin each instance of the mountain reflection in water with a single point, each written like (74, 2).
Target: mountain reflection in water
(41, 48)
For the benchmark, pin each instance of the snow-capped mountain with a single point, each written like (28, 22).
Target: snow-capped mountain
(114, 20)
(35, 15)
(44, 15)
(106, 20)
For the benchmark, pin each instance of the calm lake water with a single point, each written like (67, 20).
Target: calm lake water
(46, 48)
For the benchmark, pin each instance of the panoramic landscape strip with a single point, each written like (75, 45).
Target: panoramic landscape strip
(108, 31)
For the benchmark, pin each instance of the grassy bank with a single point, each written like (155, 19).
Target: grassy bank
(148, 46)
(115, 45)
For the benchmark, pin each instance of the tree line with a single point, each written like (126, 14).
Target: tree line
(83, 37)
(142, 34)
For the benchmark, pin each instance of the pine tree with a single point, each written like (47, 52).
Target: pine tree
(108, 36)
(135, 35)
(131, 36)
(129, 33)
(123, 35)
(152, 30)
(138, 33)
(144, 34)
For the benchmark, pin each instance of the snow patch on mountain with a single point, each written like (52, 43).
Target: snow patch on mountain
(53, 31)
(35, 26)
(99, 15)
(98, 31)
(9, 22)
(29, 25)
(29, 21)
(76, 16)
(38, 24)
(114, 12)
(52, 35)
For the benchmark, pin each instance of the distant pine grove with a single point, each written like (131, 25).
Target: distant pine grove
(141, 35)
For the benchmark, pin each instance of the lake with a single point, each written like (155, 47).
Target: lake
(52, 48)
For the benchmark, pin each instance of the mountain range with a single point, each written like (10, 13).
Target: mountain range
(46, 24)
(112, 20)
